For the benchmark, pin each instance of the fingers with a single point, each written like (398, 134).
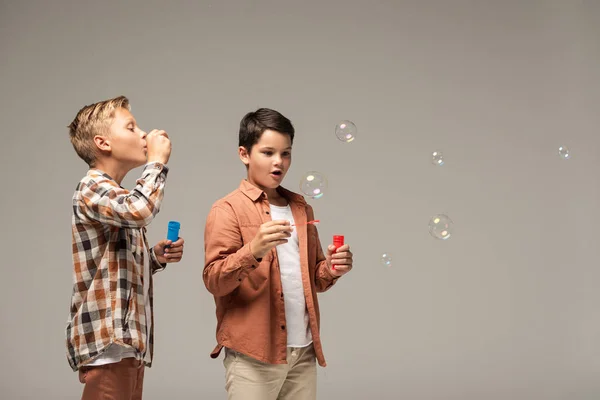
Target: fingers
(287, 231)
(342, 255)
(174, 252)
(342, 269)
(276, 237)
(341, 260)
(158, 132)
(173, 249)
(330, 250)
(164, 243)
(173, 256)
(269, 235)
(178, 242)
(345, 247)
(280, 231)
(276, 226)
(278, 222)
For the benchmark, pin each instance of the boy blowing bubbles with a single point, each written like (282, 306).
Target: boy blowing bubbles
(265, 273)
(109, 333)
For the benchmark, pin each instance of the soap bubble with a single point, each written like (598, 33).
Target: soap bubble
(441, 226)
(437, 158)
(564, 153)
(345, 131)
(313, 184)
(386, 259)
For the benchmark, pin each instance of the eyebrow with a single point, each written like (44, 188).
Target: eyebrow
(272, 148)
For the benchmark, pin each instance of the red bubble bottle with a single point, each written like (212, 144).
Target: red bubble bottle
(338, 241)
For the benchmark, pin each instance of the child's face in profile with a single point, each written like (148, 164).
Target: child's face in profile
(127, 140)
(269, 159)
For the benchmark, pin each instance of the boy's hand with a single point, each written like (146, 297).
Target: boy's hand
(340, 261)
(269, 235)
(159, 146)
(170, 254)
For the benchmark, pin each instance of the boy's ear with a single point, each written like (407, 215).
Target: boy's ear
(102, 143)
(244, 156)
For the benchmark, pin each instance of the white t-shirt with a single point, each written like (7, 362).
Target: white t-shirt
(288, 254)
(115, 353)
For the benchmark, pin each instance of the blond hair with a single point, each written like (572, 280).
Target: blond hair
(93, 120)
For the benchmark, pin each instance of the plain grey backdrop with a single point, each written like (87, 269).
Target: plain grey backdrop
(507, 308)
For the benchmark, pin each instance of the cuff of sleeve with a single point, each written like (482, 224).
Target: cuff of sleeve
(247, 261)
(158, 266)
(328, 272)
(157, 165)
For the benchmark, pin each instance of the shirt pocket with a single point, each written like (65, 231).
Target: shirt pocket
(248, 232)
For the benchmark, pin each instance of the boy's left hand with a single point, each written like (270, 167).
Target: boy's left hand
(340, 261)
(171, 254)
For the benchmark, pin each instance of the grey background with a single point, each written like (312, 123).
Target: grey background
(505, 309)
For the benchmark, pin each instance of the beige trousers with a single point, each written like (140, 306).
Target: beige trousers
(249, 379)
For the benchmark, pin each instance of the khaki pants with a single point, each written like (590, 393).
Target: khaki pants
(118, 381)
(249, 379)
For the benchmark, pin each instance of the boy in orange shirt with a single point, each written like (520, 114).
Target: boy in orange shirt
(264, 265)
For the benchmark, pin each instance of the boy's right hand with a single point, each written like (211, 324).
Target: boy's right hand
(269, 235)
(159, 146)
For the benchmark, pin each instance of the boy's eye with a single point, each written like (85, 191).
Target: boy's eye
(268, 153)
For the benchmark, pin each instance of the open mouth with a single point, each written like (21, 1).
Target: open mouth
(277, 173)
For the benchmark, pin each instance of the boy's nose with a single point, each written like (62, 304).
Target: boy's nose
(144, 134)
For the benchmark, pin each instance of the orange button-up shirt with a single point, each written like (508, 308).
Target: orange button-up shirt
(248, 293)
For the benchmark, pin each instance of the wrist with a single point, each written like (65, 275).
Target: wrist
(256, 255)
(154, 257)
(159, 160)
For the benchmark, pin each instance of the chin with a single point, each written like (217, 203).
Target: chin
(269, 185)
(265, 184)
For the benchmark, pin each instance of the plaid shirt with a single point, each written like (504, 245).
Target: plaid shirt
(109, 246)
